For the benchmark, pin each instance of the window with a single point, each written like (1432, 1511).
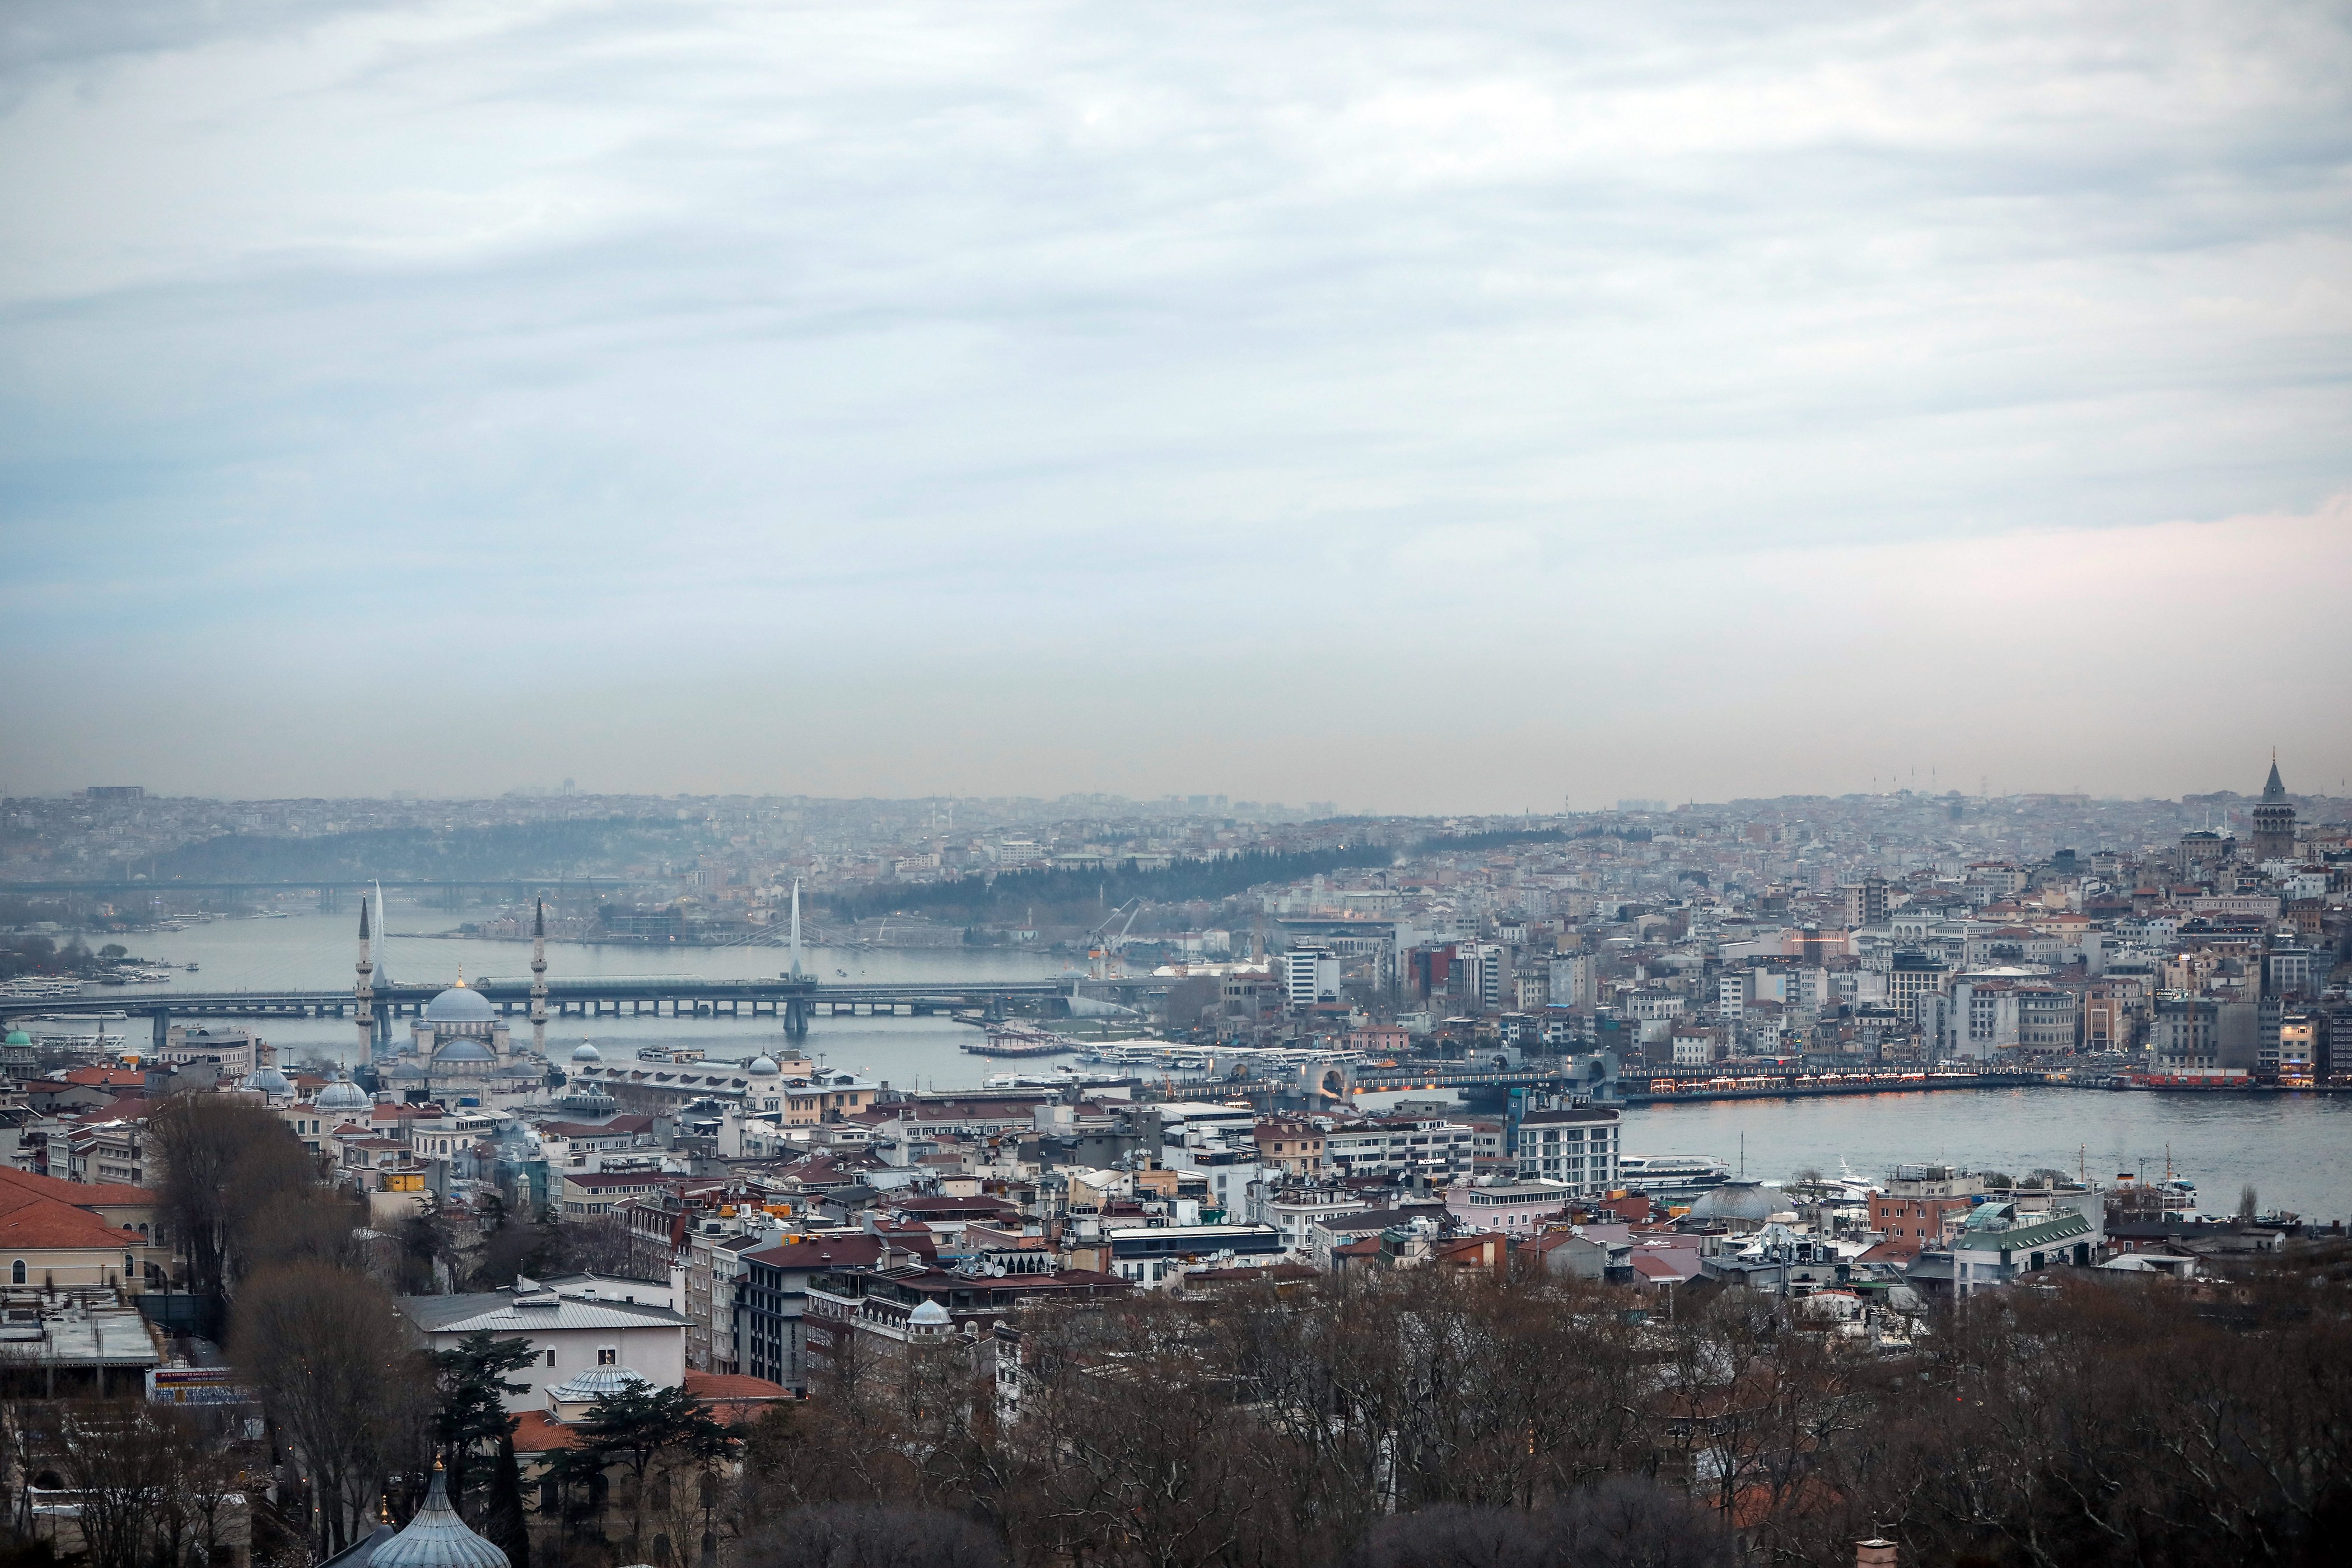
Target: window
(551, 1358)
(16, 1272)
(607, 1356)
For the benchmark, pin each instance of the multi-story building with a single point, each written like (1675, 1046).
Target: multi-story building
(1400, 1146)
(1310, 974)
(1575, 1146)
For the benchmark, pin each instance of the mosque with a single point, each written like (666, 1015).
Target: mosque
(460, 1049)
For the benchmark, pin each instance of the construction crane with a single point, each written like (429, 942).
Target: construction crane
(1103, 954)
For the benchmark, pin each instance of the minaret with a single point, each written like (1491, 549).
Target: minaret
(796, 930)
(538, 980)
(364, 991)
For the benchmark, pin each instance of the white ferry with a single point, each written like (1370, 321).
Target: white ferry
(1670, 1172)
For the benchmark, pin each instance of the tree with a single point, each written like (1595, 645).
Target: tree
(504, 1523)
(630, 1429)
(225, 1162)
(152, 1492)
(472, 1412)
(326, 1349)
(870, 1535)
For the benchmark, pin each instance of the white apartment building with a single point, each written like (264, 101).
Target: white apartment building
(1576, 1147)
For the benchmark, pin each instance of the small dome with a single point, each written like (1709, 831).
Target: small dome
(597, 1382)
(765, 1067)
(269, 1080)
(18, 1037)
(459, 1005)
(587, 1055)
(437, 1538)
(929, 1315)
(1737, 1200)
(342, 1095)
(464, 1051)
(408, 1066)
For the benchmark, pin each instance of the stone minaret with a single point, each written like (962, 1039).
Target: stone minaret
(364, 991)
(538, 980)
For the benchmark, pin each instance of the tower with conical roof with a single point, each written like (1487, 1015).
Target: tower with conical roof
(538, 980)
(2273, 820)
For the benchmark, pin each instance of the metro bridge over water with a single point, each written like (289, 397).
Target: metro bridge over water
(795, 1002)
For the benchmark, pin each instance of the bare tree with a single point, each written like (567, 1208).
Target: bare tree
(871, 1535)
(225, 1162)
(326, 1349)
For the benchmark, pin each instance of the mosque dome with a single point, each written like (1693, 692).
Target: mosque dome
(595, 1383)
(1751, 1201)
(269, 1080)
(587, 1055)
(929, 1315)
(765, 1067)
(343, 1095)
(437, 1538)
(459, 1005)
(409, 1067)
(18, 1037)
(464, 1051)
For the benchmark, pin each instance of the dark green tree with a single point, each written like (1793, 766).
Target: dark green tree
(503, 1523)
(471, 1413)
(631, 1430)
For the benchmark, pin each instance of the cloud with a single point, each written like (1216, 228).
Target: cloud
(957, 360)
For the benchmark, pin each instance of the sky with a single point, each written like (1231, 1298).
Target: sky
(1435, 407)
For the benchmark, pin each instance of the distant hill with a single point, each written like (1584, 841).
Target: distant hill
(530, 851)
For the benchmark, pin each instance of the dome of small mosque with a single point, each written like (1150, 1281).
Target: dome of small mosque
(437, 1538)
(343, 1095)
(587, 1055)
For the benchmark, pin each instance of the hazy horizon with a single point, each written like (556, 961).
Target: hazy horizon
(1462, 410)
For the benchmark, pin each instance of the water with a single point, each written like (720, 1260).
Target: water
(310, 950)
(2295, 1151)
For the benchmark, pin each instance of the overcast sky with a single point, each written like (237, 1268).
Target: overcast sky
(1453, 407)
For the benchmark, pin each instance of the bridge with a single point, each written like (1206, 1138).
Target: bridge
(624, 996)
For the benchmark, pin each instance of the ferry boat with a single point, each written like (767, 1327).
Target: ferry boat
(1670, 1172)
(1056, 1077)
(1020, 1040)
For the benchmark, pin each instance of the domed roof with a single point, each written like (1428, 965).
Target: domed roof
(459, 1005)
(408, 1066)
(18, 1037)
(1737, 1200)
(929, 1315)
(464, 1051)
(269, 1080)
(437, 1538)
(597, 1382)
(342, 1095)
(765, 1067)
(587, 1053)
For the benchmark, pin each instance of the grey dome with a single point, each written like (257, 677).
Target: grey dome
(929, 1315)
(464, 1051)
(437, 1538)
(457, 1006)
(587, 1055)
(1737, 1200)
(269, 1080)
(765, 1067)
(597, 1382)
(343, 1095)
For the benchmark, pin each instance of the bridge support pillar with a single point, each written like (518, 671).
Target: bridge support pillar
(162, 1020)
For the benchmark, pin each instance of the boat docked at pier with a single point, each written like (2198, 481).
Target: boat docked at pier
(1657, 1173)
(1017, 1039)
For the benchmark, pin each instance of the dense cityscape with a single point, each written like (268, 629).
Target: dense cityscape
(1233, 785)
(1301, 1086)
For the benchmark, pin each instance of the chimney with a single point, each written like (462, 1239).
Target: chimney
(1875, 1553)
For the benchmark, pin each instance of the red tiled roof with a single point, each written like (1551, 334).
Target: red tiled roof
(107, 1077)
(30, 1223)
(536, 1432)
(82, 1194)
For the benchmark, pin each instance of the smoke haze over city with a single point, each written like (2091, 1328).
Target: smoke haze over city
(1428, 409)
